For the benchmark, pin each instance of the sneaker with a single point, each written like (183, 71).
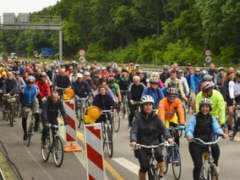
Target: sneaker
(25, 137)
(160, 177)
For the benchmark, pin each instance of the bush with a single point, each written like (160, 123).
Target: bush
(95, 52)
(229, 54)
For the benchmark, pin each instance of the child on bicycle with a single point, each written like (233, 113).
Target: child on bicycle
(148, 129)
(203, 126)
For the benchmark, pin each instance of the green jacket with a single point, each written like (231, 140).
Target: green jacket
(218, 105)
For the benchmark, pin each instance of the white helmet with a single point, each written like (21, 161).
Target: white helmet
(79, 75)
(31, 79)
(86, 73)
(147, 99)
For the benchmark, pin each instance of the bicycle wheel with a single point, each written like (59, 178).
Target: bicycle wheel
(45, 151)
(153, 173)
(80, 119)
(30, 132)
(236, 125)
(11, 115)
(166, 159)
(116, 121)
(58, 152)
(176, 163)
(109, 141)
(214, 173)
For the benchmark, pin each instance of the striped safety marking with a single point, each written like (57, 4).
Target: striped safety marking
(71, 117)
(94, 150)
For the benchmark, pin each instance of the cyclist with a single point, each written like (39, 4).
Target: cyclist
(154, 91)
(171, 110)
(228, 94)
(43, 87)
(237, 88)
(156, 75)
(81, 87)
(135, 93)
(195, 80)
(50, 110)
(147, 130)
(203, 126)
(116, 90)
(62, 81)
(216, 98)
(104, 101)
(184, 81)
(29, 94)
(173, 79)
(165, 74)
(124, 83)
(9, 89)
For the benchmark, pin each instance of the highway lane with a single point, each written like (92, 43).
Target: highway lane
(123, 165)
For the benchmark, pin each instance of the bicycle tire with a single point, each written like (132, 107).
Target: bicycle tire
(153, 173)
(214, 174)
(45, 152)
(58, 147)
(116, 122)
(30, 130)
(11, 115)
(165, 160)
(236, 126)
(109, 141)
(178, 164)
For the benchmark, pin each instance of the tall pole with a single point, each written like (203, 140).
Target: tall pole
(60, 46)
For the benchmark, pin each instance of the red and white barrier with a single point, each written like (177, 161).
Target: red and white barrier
(71, 132)
(94, 152)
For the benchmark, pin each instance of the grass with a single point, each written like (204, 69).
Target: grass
(6, 169)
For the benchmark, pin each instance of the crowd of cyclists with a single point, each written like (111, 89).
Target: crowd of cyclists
(156, 101)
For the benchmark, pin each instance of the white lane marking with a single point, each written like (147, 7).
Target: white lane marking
(127, 164)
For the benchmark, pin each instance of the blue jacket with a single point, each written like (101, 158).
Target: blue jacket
(194, 82)
(82, 89)
(157, 95)
(29, 95)
(190, 127)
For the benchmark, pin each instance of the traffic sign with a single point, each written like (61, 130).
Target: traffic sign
(82, 52)
(208, 52)
(82, 59)
(208, 59)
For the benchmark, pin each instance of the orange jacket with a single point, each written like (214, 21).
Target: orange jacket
(167, 110)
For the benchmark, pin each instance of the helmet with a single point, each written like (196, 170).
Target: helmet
(147, 99)
(173, 92)
(207, 86)
(111, 80)
(165, 67)
(205, 101)
(207, 77)
(31, 79)
(43, 74)
(130, 64)
(153, 81)
(137, 65)
(179, 70)
(79, 75)
(220, 68)
(172, 84)
(86, 73)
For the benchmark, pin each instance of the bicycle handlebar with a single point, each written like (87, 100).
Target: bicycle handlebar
(139, 146)
(206, 143)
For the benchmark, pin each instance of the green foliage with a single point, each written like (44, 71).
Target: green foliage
(144, 31)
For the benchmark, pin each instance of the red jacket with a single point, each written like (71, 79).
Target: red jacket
(44, 89)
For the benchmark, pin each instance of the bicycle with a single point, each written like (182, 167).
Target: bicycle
(125, 110)
(31, 125)
(153, 168)
(209, 169)
(82, 104)
(173, 155)
(9, 115)
(60, 91)
(54, 145)
(236, 121)
(107, 131)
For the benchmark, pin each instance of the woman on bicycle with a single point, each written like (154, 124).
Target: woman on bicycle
(148, 129)
(203, 126)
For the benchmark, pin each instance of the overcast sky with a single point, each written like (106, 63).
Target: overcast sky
(18, 6)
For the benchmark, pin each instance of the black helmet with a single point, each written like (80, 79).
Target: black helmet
(238, 74)
(111, 80)
(172, 92)
(205, 101)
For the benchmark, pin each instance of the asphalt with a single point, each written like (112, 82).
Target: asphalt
(123, 165)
